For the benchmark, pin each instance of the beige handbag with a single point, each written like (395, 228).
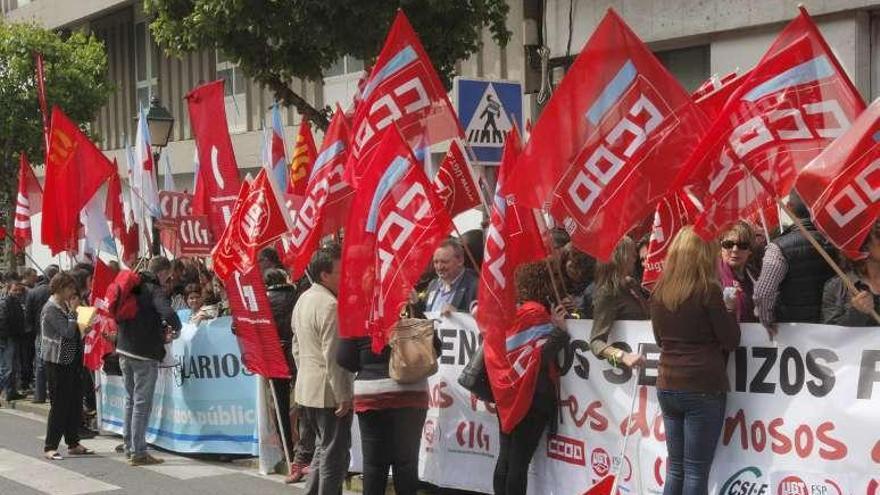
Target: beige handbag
(413, 357)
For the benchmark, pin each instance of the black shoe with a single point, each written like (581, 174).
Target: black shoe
(35, 401)
(86, 434)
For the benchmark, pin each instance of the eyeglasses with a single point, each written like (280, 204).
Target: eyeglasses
(742, 245)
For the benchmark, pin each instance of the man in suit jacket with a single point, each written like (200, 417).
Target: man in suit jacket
(455, 288)
(323, 388)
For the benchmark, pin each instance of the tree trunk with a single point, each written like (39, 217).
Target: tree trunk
(289, 97)
(7, 199)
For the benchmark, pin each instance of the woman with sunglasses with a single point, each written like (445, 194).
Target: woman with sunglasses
(838, 306)
(737, 279)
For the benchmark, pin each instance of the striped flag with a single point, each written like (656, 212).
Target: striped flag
(28, 203)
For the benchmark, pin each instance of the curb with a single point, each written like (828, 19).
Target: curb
(26, 405)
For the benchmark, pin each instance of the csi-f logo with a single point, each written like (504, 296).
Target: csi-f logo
(406, 95)
(746, 481)
(626, 118)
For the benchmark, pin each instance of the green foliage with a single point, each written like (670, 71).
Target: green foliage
(275, 41)
(75, 70)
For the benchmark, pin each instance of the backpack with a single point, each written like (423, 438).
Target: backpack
(121, 300)
(413, 357)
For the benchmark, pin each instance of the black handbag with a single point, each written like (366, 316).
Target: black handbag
(475, 378)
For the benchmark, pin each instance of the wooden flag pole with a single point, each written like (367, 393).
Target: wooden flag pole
(853, 290)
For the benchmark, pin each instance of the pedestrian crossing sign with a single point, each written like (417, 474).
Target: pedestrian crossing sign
(487, 109)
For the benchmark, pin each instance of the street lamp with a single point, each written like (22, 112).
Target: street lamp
(159, 124)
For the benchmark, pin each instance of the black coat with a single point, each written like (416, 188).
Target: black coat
(465, 291)
(282, 299)
(33, 305)
(12, 320)
(144, 335)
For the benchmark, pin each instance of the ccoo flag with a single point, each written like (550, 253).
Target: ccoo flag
(610, 142)
(841, 186)
(789, 107)
(403, 89)
(396, 221)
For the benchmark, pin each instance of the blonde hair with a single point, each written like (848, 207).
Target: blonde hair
(691, 267)
(611, 275)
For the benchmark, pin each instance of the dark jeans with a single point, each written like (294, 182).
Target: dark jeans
(282, 391)
(693, 423)
(65, 413)
(305, 448)
(39, 372)
(390, 438)
(25, 347)
(515, 453)
(7, 365)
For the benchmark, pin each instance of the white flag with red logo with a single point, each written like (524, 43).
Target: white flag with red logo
(257, 220)
(29, 202)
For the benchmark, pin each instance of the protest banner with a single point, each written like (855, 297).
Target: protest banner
(206, 403)
(801, 416)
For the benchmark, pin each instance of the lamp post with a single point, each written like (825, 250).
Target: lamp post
(160, 122)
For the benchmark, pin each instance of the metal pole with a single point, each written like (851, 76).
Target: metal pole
(280, 425)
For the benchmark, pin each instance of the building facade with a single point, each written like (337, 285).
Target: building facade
(694, 38)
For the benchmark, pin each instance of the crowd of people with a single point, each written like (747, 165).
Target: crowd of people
(705, 290)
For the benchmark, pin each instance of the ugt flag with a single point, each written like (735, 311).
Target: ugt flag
(512, 239)
(325, 207)
(610, 142)
(841, 186)
(396, 222)
(403, 89)
(257, 221)
(674, 211)
(75, 169)
(303, 160)
(792, 104)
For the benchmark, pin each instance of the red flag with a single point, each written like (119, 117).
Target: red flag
(301, 163)
(841, 186)
(218, 182)
(131, 246)
(113, 206)
(256, 222)
(254, 327)
(327, 201)
(75, 169)
(611, 141)
(674, 212)
(29, 202)
(95, 343)
(455, 182)
(512, 239)
(789, 107)
(396, 222)
(714, 93)
(403, 88)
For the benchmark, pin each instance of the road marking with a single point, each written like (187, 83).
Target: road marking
(46, 477)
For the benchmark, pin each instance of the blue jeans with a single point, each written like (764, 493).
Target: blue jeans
(693, 422)
(7, 365)
(140, 382)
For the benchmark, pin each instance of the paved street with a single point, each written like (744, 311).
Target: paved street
(23, 471)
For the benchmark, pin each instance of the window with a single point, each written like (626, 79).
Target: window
(689, 65)
(234, 88)
(340, 81)
(146, 65)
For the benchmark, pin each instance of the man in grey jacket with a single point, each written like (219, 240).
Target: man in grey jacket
(323, 388)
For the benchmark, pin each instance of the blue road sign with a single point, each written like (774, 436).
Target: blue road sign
(488, 109)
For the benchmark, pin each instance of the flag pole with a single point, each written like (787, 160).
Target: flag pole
(467, 250)
(26, 255)
(818, 247)
(280, 425)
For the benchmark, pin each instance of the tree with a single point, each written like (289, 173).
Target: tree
(75, 69)
(276, 41)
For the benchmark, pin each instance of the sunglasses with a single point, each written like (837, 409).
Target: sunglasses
(742, 245)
